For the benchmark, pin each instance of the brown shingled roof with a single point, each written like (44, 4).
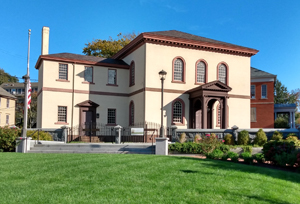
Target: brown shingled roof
(187, 36)
(83, 59)
(185, 40)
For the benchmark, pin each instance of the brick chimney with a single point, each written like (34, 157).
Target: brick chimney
(45, 40)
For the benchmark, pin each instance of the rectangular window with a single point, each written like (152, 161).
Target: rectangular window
(112, 76)
(264, 91)
(7, 119)
(23, 91)
(253, 114)
(88, 74)
(63, 71)
(252, 91)
(7, 103)
(62, 114)
(111, 116)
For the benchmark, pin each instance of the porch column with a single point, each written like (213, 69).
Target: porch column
(291, 120)
(225, 116)
(204, 113)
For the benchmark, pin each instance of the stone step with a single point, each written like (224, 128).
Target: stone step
(93, 148)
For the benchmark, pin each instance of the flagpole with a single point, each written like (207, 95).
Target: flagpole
(26, 81)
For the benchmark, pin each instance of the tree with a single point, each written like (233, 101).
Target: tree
(6, 77)
(107, 48)
(282, 96)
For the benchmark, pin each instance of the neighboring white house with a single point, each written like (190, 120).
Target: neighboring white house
(207, 83)
(7, 108)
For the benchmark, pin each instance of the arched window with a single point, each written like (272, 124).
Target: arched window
(131, 113)
(178, 70)
(132, 74)
(178, 112)
(201, 72)
(222, 73)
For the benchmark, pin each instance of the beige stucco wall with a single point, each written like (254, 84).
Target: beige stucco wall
(10, 111)
(161, 57)
(239, 113)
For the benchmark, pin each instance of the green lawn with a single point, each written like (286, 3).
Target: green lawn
(120, 178)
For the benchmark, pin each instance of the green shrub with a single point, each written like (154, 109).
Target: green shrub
(261, 138)
(259, 157)
(281, 122)
(293, 139)
(8, 138)
(42, 135)
(286, 158)
(182, 137)
(292, 134)
(277, 136)
(272, 148)
(216, 154)
(247, 149)
(243, 137)
(247, 156)
(224, 148)
(225, 157)
(197, 138)
(233, 156)
(229, 139)
(188, 147)
(210, 142)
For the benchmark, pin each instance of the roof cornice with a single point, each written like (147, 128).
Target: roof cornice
(185, 43)
(76, 61)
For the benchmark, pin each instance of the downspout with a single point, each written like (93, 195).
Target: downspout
(145, 85)
(72, 112)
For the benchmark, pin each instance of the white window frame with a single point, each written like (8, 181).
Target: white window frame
(87, 71)
(253, 97)
(266, 91)
(63, 72)
(112, 81)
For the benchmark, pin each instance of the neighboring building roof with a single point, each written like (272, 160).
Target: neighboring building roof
(257, 73)
(292, 105)
(5, 94)
(17, 85)
(180, 39)
(83, 59)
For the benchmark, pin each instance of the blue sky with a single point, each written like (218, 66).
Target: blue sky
(271, 26)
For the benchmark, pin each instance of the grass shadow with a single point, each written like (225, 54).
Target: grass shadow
(227, 165)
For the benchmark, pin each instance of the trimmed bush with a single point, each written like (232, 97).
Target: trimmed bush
(261, 138)
(286, 158)
(293, 139)
(259, 157)
(277, 136)
(247, 149)
(182, 138)
(224, 148)
(229, 139)
(216, 154)
(8, 138)
(197, 138)
(272, 148)
(42, 135)
(187, 147)
(247, 157)
(243, 137)
(233, 156)
(225, 157)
